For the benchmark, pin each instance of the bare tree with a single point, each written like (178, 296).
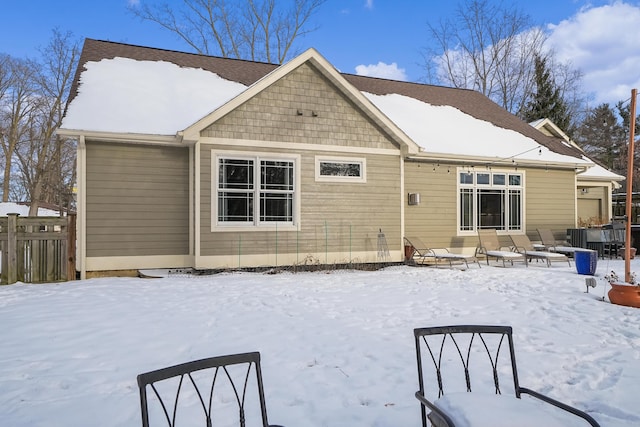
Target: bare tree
(17, 89)
(46, 162)
(489, 48)
(260, 30)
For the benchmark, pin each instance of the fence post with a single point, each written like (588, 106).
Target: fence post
(71, 246)
(12, 248)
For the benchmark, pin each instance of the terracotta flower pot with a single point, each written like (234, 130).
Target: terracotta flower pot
(625, 294)
(632, 253)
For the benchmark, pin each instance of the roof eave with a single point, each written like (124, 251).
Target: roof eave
(498, 162)
(139, 138)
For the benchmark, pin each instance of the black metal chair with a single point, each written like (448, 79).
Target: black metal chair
(189, 392)
(477, 348)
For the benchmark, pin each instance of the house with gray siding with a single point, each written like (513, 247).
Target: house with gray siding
(187, 160)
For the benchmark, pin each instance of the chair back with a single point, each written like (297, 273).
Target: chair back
(619, 232)
(470, 357)
(420, 247)
(190, 393)
(489, 239)
(521, 241)
(547, 237)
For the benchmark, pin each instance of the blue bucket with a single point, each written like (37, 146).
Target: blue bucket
(586, 261)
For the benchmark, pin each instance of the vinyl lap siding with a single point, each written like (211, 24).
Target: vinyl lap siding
(549, 203)
(137, 200)
(335, 217)
(434, 219)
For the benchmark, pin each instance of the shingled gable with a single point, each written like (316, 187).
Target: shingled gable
(251, 73)
(320, 64)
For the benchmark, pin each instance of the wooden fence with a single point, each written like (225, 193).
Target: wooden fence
(37, 249)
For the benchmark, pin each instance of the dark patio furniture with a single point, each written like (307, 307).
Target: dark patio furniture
(190, 392)
(484, 354)
(614, 239)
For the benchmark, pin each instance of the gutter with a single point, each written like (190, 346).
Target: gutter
(131, 138)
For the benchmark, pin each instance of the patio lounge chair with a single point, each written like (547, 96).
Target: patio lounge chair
(467, 374)
(523, 245)
(490, 246)
(191, 391)
(550, 242)
(423, 253)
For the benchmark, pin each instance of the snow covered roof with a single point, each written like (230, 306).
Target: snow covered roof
(595, 173)
(129, 89)
(599, 173)
(151, 97)
(447, 130)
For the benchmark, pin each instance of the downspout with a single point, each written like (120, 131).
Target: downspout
(402, 205)
(192, 179)
(197, 209)
(81, 224)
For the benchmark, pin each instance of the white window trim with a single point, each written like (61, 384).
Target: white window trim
(476, 186)
(256, 225)
(345, 179)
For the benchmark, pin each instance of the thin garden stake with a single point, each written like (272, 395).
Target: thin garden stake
(239, 248)
(276, 244)
(326, 243)
(350, 257)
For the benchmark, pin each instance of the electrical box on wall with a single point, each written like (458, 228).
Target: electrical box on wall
(414, 199)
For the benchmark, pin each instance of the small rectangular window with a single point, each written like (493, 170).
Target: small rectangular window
(498, 179)
(466, 178)
(340, 169)
(483, 178)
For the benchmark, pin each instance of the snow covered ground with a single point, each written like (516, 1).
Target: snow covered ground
(337, 347)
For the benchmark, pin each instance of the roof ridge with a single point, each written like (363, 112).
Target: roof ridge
(181, 52)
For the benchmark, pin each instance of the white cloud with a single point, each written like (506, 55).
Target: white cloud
(382, 70)
(602, 42)
(368, 4)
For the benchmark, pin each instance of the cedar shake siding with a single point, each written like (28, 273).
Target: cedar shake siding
(272, 115)
(137, 200)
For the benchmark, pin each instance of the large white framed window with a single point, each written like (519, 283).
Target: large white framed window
(341, 169)
(490, 200)
(254, 190)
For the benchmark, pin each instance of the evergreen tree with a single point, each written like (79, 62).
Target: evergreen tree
(602, 137)
(624, 110)
(547, 101)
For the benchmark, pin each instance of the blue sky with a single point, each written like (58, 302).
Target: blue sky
(365, 36)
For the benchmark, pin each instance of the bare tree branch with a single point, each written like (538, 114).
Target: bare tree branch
(260, 30)
(16, 106)
(488, 49)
